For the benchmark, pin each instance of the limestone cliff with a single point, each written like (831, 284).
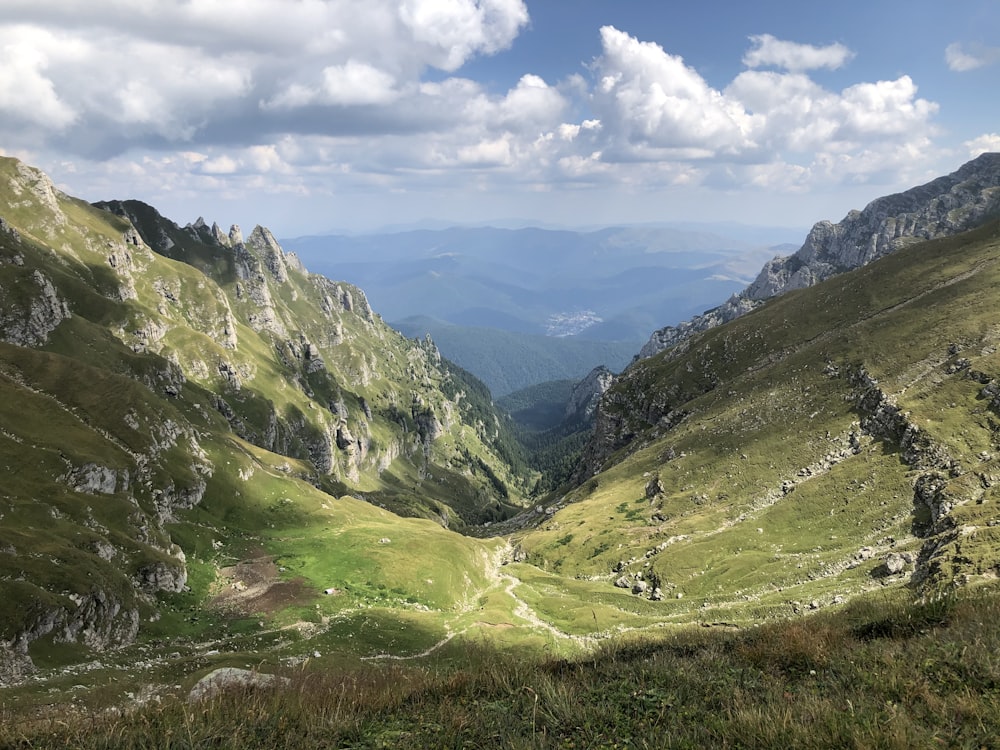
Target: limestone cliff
(587, 394)
(942, 207)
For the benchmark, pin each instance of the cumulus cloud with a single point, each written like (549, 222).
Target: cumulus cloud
(454, 30)
(655, 108)
(131, 74)
(649, 98)
(769, 51)
(532, 104)
(294, 97)
(963, 57)
(57, 77)
(26, 91)
(988, 142)
(350, 84)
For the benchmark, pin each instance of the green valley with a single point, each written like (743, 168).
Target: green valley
(214, 459)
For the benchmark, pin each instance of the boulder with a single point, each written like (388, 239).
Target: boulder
(895, 563)
(226, 678)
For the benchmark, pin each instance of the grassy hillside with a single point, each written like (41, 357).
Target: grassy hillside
(840, 439)
(174, 401)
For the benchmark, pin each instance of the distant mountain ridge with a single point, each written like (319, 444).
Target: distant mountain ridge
(620, 281)
(945, 206)
(507, 361)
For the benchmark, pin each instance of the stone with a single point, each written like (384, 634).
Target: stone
(94, 480)
(30, 323)
(226, 678)
(895, 563)
(654, 488)
(587, 394)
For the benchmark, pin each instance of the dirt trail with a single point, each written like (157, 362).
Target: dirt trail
(508, 583)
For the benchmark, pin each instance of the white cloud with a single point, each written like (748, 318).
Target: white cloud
(139, 85)
(884, 108)
(26, 91)
(130, 73)
(495, 152)
(334, 96)
(656, 108)
(770, 51)
(454, 30)
(351, 84)
(648, 96)
(532, 104)
(988, 142)
(220, 165)
(962, 58)
(357, 83)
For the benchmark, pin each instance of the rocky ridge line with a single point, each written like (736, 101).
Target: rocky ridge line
(948, 205)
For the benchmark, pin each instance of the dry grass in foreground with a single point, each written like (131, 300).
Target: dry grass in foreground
(878, 674)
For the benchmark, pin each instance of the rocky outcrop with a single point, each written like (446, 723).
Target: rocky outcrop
(95, 480)
(33, 190)
(252, 286)
(163, 575)
(587, 394)
(262, 242)
(338, 297)
(31, 312)
(99, 620)
(946, 206)
(630, 406)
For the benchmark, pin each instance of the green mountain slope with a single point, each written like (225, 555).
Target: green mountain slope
(196, 436)
(839, 439)
(171, 398)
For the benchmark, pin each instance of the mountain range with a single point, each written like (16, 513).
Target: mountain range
(508, 361)
(214, 458)
(582, 298)
(540, 281)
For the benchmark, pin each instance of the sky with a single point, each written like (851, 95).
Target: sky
(312, 116)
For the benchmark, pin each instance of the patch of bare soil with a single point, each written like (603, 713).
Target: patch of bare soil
(254, 587)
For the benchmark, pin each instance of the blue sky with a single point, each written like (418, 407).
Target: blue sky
(315, 115)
